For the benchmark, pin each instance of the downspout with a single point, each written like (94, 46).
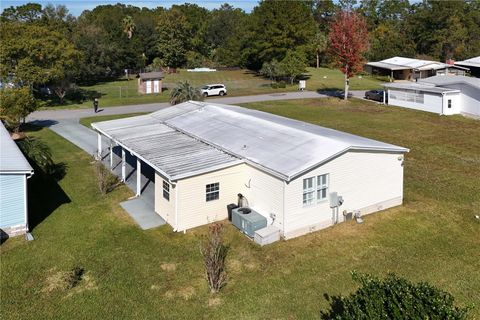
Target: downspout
(176, 206)
(25, 189)
(443, 100)
(284, 212)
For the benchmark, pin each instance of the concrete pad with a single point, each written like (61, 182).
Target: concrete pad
(143, 213)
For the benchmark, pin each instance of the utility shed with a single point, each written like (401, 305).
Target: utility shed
(14, 172)
(150, 82)
(445, 95)
(205, 154)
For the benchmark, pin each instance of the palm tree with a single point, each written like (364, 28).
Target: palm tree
(38, 152)
(184, 91)
(128, 26)
(320, 43)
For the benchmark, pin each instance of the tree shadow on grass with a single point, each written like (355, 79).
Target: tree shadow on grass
(337, 307)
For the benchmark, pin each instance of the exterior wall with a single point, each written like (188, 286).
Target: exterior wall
(469, 99)
(264, 193)
(368, 182)
(13, 217)
(456, 103)
(192, 208)
(432, 102)
(165, 208)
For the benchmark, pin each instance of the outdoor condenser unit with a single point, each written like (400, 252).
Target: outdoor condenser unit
(249, 222)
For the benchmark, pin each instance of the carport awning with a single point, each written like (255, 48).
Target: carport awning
(173, 154)
(388, 66)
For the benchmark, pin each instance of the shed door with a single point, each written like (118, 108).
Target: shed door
(148, 86)
(156, 86)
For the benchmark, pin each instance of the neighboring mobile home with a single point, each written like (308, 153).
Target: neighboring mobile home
(445, 95)
(473, 64)
(14, 172)
(400, 68)
(205, 154)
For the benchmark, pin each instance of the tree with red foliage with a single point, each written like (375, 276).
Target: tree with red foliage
(348, 42)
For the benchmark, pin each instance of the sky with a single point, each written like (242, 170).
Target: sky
(77, 6)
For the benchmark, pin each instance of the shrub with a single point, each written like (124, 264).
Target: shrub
(281, 84)
(394, 298)
(105, 179)
(214, 253)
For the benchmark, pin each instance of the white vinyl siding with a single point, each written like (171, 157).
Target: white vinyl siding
(12, 203)
(426, 101)
(367, 181)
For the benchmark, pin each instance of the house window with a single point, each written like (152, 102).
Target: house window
(166, 190)
(212, 191)
(308, 191)
(322, 187)
(315, 189)
(449, 103)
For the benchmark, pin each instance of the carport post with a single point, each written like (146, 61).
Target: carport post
(384, 95)
(99, 150)
(111, 154)
(139, 177)
(123, 165)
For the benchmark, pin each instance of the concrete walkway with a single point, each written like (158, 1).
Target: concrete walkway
(62, 114)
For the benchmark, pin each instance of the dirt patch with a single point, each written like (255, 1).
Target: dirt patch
(168, 267)
(213, 302)
(170, 294)
(186, 293)
(55, 281)
(234, 265)
(62, 281)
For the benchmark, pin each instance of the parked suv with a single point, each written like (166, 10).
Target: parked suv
(376, 95)
(214, 90)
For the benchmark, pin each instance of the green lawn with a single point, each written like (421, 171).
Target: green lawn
(89, 120)
(130, 273)
(238, 82)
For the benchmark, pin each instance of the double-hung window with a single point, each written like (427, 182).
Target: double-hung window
(315, 189)
(308, 191)
(212, 191)
(166, 190)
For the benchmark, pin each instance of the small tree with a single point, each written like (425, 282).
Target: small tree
(38, 152)
(293, 65)
(15, 104)
(105, 179)
(214, 253)
(184, 91)
(320, 43)
(348, 42)
(271, 70)
(394, 298)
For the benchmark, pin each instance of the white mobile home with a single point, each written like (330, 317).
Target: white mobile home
(445, 95)
(14, 172)
(205, 154)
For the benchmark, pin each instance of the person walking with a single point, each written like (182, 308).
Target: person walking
(95, 105)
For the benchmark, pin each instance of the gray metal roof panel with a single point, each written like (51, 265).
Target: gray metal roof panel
(11, 158)
(449, 80)
(420, 87)
(472, 62)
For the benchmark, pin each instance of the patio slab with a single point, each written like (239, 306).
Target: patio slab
(143, 213)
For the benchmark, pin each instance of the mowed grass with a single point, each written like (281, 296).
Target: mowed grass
(154, 274)
(89, 120)
(238, 83)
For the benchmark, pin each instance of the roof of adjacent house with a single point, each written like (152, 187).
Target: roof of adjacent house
(449, 80)
(425, 87)
(401, 63)
(151, 75)
(472, 62)
(12, 159)
(284, 147)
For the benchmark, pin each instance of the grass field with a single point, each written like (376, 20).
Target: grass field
(238, 82)
(130, 273)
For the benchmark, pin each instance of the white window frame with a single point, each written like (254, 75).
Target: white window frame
(212, 189)
(166, 190)
(312, 188)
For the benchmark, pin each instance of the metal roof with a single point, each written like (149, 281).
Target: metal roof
(281, 146)
(472, 62)
(420, 87)
(12, 159)
(401, 63)
(151, 75)
(172, 153)
(450, 80)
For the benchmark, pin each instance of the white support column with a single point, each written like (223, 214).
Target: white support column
(111, 154)
(123, 165)
(99, 147)
(139, 177)
(384, 96)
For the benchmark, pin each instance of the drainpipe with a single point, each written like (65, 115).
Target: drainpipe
(26, 200)
(176, 206)
(284, 213)
(443, 100)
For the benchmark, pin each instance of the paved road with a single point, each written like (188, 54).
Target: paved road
(63, 114)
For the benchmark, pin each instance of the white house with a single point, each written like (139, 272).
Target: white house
(400, 68)
(205, 154)
(445, 95)
(14, 172)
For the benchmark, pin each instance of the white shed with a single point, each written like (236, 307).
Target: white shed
(205, 154)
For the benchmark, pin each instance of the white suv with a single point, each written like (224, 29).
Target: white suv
(214, 90)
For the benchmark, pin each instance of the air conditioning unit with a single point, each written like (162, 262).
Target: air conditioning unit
(248, 221)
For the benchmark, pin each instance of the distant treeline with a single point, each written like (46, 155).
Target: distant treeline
(103, 42)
